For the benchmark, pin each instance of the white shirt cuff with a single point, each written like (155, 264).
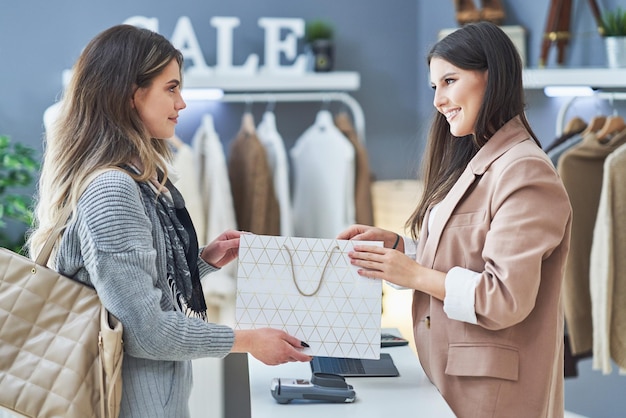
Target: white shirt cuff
(410, 249)
(461, 294)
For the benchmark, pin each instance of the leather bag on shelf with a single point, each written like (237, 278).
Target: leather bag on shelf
(61, 351)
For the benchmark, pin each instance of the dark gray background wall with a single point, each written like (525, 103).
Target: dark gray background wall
(384, 40)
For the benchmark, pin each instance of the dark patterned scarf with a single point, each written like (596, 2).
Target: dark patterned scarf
(181, 245)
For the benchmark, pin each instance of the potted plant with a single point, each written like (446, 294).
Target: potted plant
(17, 170)
(613, 30)
(318, 35)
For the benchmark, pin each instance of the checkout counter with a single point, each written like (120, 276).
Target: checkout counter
(410, 393)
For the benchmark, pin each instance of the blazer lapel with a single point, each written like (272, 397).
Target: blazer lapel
(510, 134)
(443, 214)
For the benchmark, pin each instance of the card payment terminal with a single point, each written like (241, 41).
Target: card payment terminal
(322, 387)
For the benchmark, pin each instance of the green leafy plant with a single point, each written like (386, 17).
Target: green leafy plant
(614, 23)
(18, 168)
(318, 29)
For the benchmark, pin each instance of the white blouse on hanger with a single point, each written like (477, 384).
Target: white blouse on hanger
(185, 178)
(323, 163)
(217, 201)
(277, 158)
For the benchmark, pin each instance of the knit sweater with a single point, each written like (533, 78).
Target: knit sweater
(115, 243)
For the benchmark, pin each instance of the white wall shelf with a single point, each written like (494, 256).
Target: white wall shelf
(538, 78)
(331, 81)
(609, 80)
(307, 87)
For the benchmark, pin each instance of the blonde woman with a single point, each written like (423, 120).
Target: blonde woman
(130, 236)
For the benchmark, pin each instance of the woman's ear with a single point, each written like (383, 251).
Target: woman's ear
(132, 97)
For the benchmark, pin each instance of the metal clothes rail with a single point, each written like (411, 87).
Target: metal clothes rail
(349, 101)
(560, 120)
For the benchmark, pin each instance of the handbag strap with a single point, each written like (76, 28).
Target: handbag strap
(46, 250)
(44, 255)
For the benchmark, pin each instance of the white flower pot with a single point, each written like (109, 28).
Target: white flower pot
(615, 51)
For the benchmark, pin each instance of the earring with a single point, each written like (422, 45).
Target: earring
(466, 12)
(492, 11)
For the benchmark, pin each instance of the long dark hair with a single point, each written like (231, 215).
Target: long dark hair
(480, 46)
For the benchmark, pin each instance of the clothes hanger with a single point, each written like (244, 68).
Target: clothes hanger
(269, 121)
(324, 120)
(247, 123)
(613, 125)
(344, 111)
(594, 125)
(271, 104)
(247, 120)
(574, 125)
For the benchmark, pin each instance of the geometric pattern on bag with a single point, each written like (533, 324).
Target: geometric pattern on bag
(308, 288)
(51, 328)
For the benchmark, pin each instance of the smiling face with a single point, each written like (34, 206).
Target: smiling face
(458, 95)
(159, 103)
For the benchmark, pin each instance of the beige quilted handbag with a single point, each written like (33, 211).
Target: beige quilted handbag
(60, 350)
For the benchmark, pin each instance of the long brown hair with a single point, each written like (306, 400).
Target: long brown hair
(480, 47)
(97, 126)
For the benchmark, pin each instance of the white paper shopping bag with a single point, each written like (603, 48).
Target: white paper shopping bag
(307, 287)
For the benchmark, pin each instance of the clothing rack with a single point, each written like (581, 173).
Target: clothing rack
(345, 98)
(560, 120)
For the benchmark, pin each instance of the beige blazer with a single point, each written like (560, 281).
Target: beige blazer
(508, 217)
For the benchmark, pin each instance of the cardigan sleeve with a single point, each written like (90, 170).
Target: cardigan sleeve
(116, 245)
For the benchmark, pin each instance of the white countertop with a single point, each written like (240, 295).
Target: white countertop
(375, 396)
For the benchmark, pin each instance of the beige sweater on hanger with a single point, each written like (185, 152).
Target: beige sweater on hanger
(581, 169)
(607, 274)
(364, 212)
(254, 198)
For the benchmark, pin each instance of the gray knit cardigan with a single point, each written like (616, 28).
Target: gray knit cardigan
(115, 243)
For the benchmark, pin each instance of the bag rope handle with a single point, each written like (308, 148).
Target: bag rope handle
(293, 272)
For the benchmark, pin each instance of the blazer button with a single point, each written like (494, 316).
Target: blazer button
(427, 320)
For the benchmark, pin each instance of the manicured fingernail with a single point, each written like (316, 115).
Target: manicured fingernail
(303, 344)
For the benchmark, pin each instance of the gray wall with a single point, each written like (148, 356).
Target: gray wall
(384, 40)
(379, 41)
